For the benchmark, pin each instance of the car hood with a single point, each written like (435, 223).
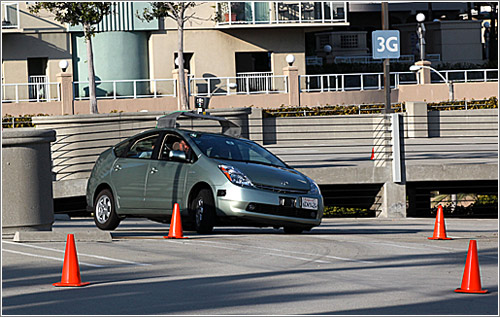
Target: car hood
(261, 174)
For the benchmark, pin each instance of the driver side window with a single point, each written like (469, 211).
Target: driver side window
(142, 148)
(174, 143)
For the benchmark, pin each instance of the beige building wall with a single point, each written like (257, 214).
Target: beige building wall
(37, 36)
(214, 50)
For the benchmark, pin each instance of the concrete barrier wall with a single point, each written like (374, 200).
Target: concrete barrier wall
(463, 123)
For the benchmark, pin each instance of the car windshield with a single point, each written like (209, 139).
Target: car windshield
(219, 146)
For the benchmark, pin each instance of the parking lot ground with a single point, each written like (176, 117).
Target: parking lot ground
(343, 267)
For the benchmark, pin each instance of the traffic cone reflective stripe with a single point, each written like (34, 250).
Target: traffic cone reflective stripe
(439, 227)
(71, 269)
(471, 281)
(175, 231)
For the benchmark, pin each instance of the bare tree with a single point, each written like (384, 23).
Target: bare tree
(177, 11)
(87, 14)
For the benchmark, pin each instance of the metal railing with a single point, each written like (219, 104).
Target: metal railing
(354, 81)
(257, 81)
(370, 60)
(31, 92)
(466, 76)
(217, 86)
(132, 88)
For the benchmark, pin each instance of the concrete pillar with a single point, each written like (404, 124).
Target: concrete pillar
(417, 119)
(27, 197)
(392, 202)
(293, 85)
(424, 74)
(256, 124)
(175, 75)
(67, 102)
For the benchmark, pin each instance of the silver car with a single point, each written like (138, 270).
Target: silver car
(216, 179)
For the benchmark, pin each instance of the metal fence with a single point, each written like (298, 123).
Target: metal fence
(355, 81)
(252, 84)
(132, 88)
(31, 92)
(466, 76)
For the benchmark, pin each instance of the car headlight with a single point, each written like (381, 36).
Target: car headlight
(235, 176)
(314, 188)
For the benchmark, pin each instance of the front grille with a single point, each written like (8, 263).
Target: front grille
(282, 211)
(281, 190)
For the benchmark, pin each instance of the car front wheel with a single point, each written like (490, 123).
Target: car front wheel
(204, 211)
(105, 216)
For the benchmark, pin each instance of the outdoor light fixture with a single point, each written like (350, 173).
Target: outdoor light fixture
(416, 68)
(327, 48)
(420, 17)
(63, 64)
(233, 85)
(421, 34)
(290, 59)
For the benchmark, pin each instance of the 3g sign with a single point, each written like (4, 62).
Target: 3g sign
(385, 44)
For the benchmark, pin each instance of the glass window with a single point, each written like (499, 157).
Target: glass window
(121, 148)
(174, 143)
(143, 148)
(222, 147)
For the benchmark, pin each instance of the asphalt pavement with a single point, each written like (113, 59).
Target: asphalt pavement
(343, 267)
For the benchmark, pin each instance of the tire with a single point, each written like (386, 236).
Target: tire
(293, 230)
(203, 209)
(105, 216)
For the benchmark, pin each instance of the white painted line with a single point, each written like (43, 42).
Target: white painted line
(248, 251)
(79, 254)
(49, 257)
(287, 251)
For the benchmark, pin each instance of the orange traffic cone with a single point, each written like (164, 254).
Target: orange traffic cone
(471, 282)
(175, 231)
(439, 228)
(71, 269)
(373, 154)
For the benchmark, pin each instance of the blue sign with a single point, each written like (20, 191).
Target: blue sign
(385, 44)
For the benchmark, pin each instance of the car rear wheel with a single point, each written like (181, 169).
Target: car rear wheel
(204, 211)
(105, 216)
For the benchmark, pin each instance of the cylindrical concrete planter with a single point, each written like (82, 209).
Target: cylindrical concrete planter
(27, 203)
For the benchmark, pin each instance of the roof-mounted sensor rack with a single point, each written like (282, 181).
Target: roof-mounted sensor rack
(170, 121)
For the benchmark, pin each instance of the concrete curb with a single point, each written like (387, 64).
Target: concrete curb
(55, 236)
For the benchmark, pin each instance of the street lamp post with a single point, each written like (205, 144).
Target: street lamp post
(421, 34)
(415, 68)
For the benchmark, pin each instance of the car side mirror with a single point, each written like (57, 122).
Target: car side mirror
(178, 156)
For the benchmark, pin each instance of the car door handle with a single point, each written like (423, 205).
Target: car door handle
(117, 167)
(153, 170)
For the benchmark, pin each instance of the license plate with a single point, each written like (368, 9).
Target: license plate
(309, 203)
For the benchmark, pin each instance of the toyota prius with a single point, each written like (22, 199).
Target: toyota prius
(216, 178)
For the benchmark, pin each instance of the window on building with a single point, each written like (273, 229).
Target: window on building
(349, 41)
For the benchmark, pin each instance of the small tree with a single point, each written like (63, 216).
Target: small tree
(87, 14)
(177, 12)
